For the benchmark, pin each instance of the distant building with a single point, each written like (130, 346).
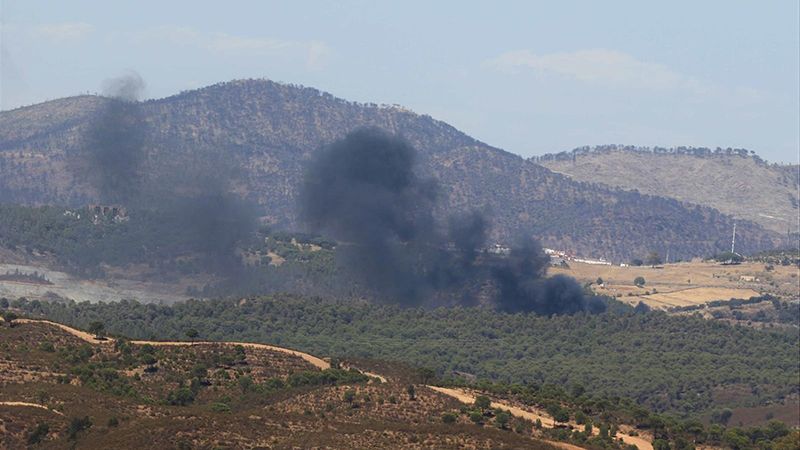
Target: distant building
(498, 249)
(100, 213)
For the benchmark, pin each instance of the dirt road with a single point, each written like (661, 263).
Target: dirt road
(321, 364)
(31, 405)
(547, 421)
(88, 337)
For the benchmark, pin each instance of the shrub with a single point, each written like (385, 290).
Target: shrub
(501, 419)
(38, 433)
(476, 417)
(220, 407)
(639, 281)
(349, 396)
(76, 425)
(482, 402)
(180, 397)
(448, 418)
(47, 347)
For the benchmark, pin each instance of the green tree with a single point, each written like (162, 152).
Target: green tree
(412, 394)
(476, 417)
(10, 317)
(562, 416)
(639, 281)
(448, 418)
(192, 334)
(97, 329)
(661, 444)
(482, 402)
(653, 259)
(501, 418)
(38, 433)
(349, 396)
(76, 425)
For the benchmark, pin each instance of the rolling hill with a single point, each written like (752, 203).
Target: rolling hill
(268, 131)
(737, 183)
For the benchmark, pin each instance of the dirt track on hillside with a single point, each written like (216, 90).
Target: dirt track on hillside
(313, 360)
(31, 405)
(547, 421)
(458, 394)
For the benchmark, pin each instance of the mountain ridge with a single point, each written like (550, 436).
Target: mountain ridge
(268, 131)
(736, 182)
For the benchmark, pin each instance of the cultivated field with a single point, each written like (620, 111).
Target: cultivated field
(689, 283)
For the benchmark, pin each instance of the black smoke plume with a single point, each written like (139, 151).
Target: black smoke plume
(363, 190)
(113, 146)
(190, 199)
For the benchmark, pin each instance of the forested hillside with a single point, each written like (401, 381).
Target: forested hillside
(265, 132)
(734, 181)
(683, 365)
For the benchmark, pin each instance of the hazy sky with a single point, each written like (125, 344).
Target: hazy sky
(530, 77)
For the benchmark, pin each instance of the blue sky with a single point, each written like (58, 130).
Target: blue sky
(529, 77)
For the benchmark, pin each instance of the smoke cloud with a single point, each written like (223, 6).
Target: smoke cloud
(363, 190)
(192, 198)
(113, 146)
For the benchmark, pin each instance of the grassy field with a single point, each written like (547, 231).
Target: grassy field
(688, 283)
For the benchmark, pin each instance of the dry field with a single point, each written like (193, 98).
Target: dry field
(689, 283)
(67, 286)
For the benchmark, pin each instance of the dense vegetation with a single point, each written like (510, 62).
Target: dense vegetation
(269, 131)
(81, 241)
(682, 365)
(608, 413)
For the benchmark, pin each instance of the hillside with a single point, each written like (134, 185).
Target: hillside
(707, 366)
(76, 389)
(735, 183)
(268, 131)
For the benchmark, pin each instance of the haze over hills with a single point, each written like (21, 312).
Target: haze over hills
(266, 132)
(734, 182)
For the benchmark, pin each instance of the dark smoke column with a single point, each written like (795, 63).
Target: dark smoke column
(112, 150)
(363, 191)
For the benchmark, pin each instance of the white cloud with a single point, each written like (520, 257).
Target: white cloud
(62, 32)
(226, 43)
(602, 66)
(314, 53)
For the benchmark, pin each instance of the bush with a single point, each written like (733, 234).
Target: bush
(448, 418)
(47, 347)
(181, 397)
(76, 425)
(476, 417)
(349, 396)
(482, 402)
(220, 407)
(38, 433)
(501, 419)
(639, 281)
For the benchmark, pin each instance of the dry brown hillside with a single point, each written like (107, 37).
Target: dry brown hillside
(742, 186)
(268, 131)
(59, 391)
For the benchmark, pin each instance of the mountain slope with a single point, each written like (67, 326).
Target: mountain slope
(735, 183)
(268, 131)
